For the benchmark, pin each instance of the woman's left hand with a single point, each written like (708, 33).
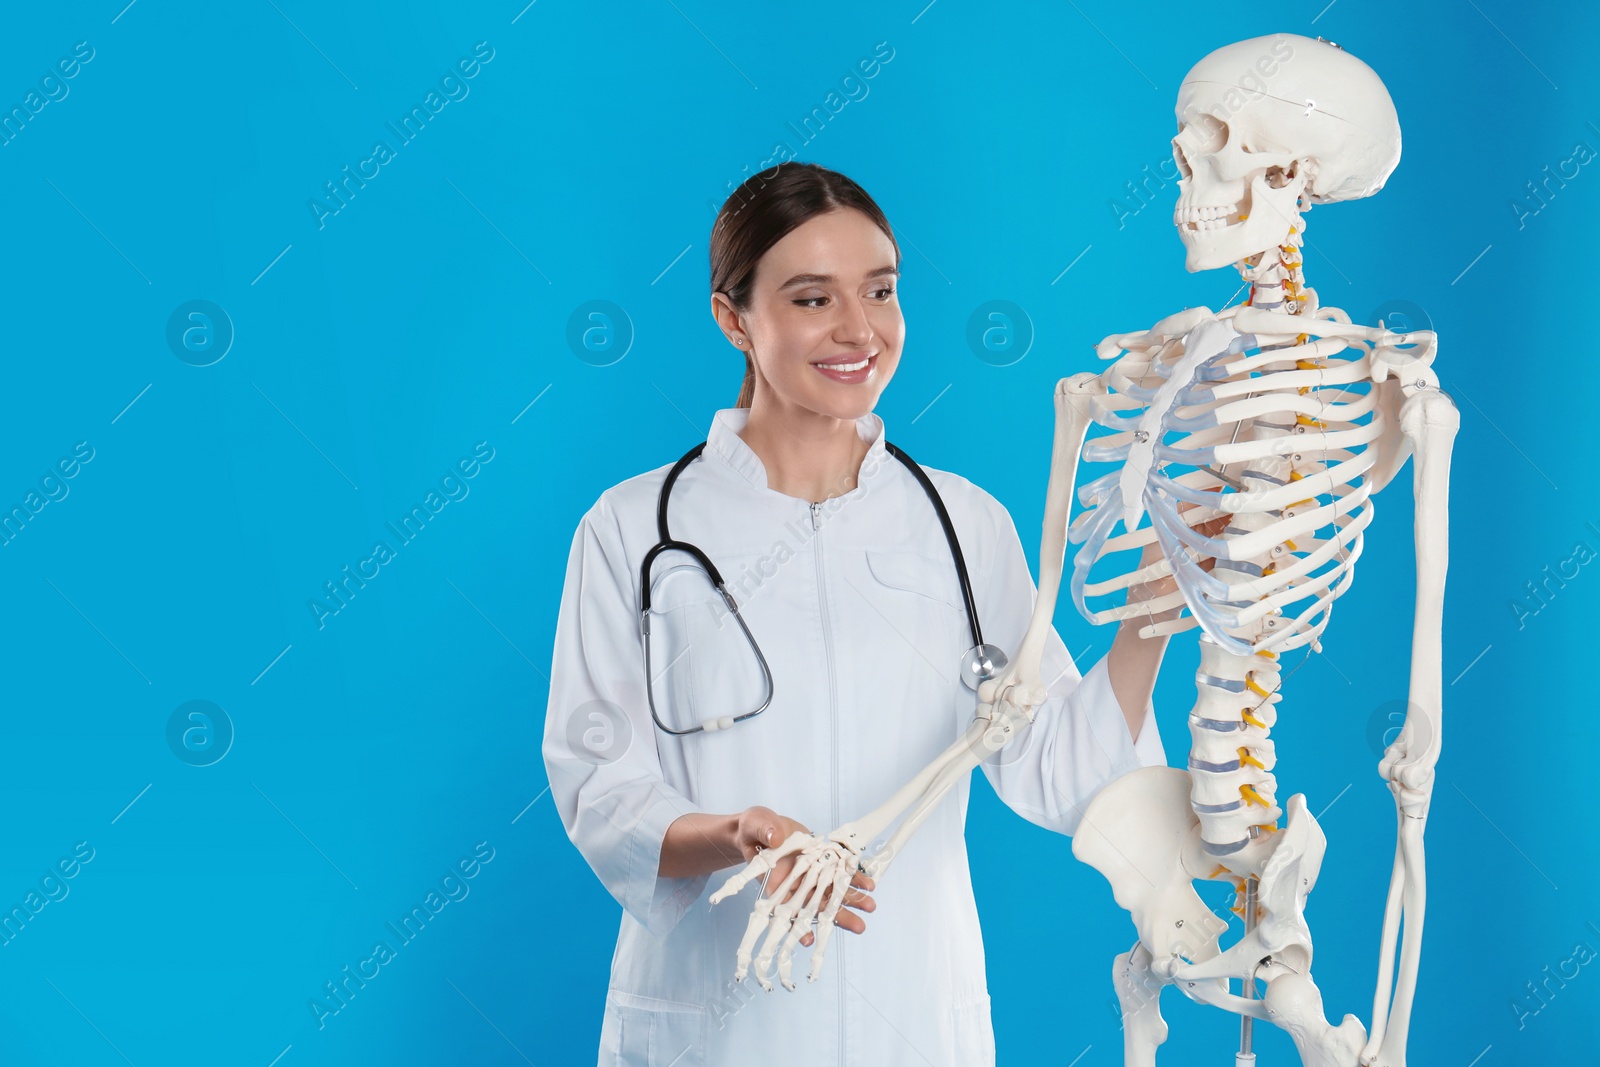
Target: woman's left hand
(1143, 592)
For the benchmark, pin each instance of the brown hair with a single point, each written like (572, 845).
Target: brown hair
(760, 213)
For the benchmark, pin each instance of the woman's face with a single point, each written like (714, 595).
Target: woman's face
(823, 298)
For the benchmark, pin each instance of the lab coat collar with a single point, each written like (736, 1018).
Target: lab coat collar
(724, 444)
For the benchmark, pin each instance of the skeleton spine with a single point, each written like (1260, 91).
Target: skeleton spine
(1233, 791)
(1231, 756)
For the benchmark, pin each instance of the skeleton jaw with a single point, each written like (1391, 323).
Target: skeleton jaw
(1216, 234)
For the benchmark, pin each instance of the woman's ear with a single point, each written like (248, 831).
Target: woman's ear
(728, 317)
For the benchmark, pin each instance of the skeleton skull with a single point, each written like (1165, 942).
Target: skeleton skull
(1265, 128)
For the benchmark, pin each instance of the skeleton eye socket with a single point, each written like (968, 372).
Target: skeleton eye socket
(1211, 134)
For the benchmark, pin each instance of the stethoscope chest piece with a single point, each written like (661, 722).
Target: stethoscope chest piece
(981, 663)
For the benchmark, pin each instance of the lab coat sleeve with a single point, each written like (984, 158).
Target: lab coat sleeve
(599, 739)
(1079, 739)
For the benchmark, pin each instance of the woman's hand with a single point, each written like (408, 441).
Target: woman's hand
(1160, 587)
(760, 827)
(1144, 592)
(1133, 661)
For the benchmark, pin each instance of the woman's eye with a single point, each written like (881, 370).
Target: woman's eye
(821, 301)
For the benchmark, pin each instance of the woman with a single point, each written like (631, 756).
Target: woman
(846, 582)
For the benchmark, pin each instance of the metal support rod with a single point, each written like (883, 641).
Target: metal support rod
(1246, 1055)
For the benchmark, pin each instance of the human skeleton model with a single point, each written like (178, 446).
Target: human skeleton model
(1283, 418)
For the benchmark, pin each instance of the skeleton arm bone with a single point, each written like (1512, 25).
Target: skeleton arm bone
(1072, 399)
(1429, 420)
(994, 727)
(1007, 701)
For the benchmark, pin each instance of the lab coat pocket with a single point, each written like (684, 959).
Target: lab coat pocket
(657, 1033)
(930, 617)
(974, 1032)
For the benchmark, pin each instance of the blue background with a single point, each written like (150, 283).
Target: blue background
(371, 351)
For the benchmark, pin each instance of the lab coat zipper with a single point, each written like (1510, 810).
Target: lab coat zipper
(833, 724)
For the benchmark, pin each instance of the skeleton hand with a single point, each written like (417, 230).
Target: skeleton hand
(814, 879)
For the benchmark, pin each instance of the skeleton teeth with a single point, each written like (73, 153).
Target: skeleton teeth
(1206, 217)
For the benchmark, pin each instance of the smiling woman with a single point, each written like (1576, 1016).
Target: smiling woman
(826, 312)
(844, 560)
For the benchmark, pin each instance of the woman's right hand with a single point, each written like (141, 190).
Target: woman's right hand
(761, 828)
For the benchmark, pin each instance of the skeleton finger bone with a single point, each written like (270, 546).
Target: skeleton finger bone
(790, 920)
(820, 874)
(833, 873)
(760, 915)
(773, 907)
(825, 922)
(764, 861)
(807, 850)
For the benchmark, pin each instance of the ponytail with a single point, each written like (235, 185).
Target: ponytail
(747, 391)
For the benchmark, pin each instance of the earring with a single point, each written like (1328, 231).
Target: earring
(739, 342)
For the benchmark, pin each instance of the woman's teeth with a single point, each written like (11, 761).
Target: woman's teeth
(845, 367)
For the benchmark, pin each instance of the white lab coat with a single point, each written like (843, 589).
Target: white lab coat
(856, 606)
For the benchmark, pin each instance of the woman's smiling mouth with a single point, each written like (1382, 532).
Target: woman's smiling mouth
(848, 372)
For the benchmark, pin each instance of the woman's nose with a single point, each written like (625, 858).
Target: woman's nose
(854, 326)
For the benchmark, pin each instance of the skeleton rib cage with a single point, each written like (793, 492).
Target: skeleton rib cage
(1282, 437)
(1278, 438)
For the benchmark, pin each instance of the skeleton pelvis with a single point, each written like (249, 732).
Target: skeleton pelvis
(1142, 835)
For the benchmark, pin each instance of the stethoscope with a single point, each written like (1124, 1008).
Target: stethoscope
(980, 663)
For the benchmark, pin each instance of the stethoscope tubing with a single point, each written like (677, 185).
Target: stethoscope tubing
(667, 543)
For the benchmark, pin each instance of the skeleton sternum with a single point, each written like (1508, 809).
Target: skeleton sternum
(1233, 791)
